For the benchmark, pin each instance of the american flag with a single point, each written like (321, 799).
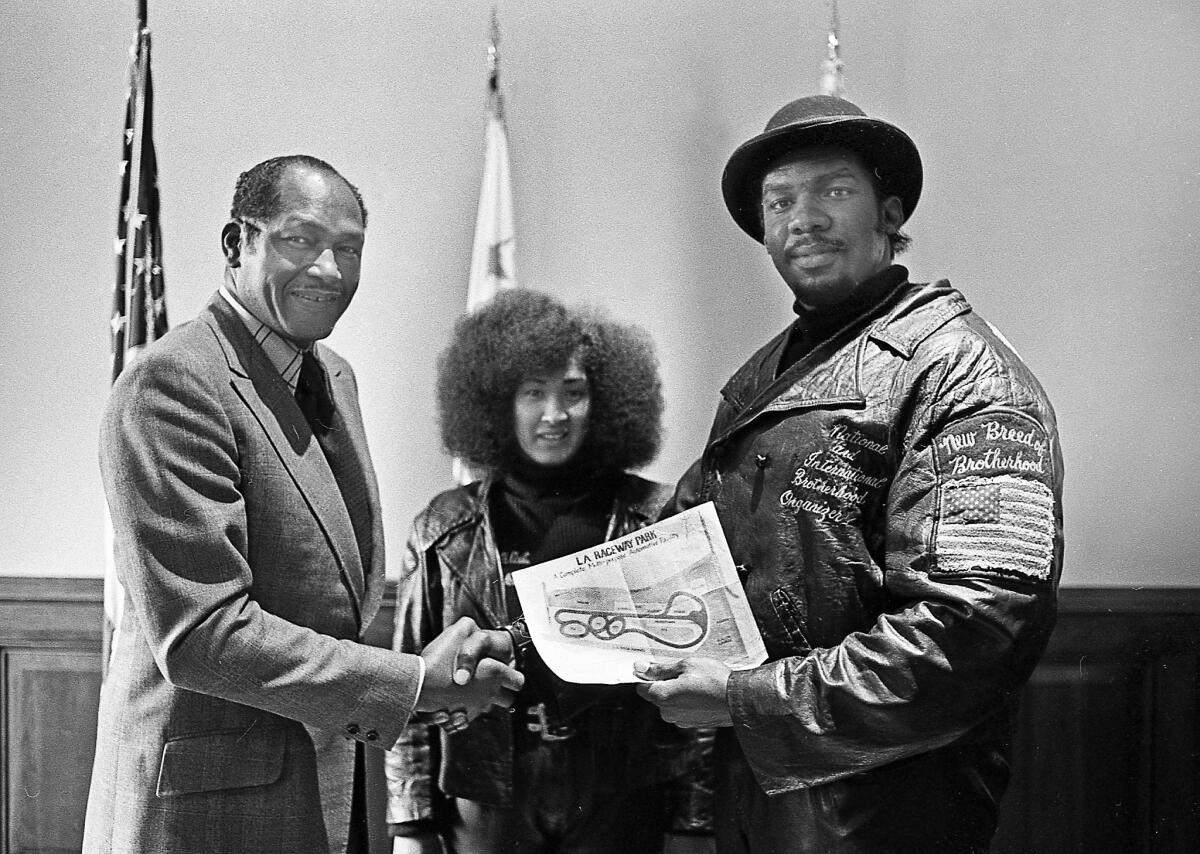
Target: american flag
(1000, 525)
(139, 314)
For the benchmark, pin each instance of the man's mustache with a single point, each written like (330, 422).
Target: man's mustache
(810, 242)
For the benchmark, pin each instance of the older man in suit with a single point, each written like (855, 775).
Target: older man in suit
(248, 537)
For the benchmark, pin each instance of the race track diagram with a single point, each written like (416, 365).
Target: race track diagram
(681, 623)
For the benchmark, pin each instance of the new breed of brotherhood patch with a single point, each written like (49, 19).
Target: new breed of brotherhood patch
(995, 474)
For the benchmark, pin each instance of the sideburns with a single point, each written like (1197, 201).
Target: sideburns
(880, 226)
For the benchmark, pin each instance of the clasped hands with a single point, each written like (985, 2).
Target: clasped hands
(467, 672)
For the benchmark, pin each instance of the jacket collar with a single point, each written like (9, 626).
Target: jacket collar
(640, 500)
(281, 353)
(637, 500)
(920, 311)
(831, 373)
(259, 384)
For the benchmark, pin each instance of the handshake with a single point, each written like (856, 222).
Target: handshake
(467, 672)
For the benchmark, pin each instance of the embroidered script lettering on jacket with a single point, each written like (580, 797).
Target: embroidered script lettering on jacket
(1000, 454)
(831, 483)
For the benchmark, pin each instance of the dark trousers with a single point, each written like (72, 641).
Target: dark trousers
(943, 802)
(360, 836)
(562, 808)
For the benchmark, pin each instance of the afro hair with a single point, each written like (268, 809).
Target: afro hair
(522, 332)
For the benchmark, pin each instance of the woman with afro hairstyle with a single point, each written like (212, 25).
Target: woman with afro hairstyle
(555, 406)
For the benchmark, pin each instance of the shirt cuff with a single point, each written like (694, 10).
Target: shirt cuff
(416, 697)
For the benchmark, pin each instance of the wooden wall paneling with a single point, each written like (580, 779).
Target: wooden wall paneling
(49, 691)
(52, 733)
(1080, 741)
(1173, 808)
(1105, 756)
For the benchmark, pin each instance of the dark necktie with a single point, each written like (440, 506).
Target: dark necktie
(315, 399)
(312, 394)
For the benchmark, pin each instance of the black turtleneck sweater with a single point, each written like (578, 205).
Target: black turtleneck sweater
(811, 326)
(540, 513)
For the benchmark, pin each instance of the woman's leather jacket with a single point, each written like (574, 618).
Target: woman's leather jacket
(451, 569)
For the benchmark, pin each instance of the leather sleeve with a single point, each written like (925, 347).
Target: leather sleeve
(687, 492)
(411, 765)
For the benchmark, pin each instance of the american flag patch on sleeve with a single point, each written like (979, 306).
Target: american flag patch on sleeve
(998, 525)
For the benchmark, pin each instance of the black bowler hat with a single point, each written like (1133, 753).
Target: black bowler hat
(820, 120)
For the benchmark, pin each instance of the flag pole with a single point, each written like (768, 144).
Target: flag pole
(114, 593)
(493, 56)
(139, 310)
(493, 255)
(493, 260)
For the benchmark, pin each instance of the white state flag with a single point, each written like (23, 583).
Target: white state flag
(493, 262)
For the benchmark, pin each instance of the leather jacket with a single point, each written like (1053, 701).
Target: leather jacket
(451, 569)
(893, 502)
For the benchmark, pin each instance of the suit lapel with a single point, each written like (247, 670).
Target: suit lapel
(266, 395)
(345, 395)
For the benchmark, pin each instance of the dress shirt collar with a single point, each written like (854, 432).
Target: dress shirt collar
(283, 354)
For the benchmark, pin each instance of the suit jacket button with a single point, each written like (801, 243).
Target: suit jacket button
(352, 729)
(371, 735)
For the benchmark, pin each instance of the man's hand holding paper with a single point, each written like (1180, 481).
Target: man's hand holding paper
(688, 693)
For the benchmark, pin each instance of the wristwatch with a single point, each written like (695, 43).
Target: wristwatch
(521, 641)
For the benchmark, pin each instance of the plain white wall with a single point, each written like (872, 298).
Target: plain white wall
(1062, 167)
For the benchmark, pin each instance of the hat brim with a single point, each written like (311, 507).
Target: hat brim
(883, 146)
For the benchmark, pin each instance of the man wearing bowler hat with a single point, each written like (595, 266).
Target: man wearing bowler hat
(888, 474)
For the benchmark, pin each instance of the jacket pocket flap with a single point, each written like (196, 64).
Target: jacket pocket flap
(228, 759)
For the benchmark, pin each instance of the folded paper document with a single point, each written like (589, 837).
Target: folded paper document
(661, 594)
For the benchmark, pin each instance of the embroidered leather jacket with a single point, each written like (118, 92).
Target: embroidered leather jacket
(893, 503)
(451, 569)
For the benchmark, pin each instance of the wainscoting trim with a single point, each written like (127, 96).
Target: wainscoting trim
(1106, 749)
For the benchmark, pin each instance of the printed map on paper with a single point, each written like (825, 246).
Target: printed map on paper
(660, 594)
